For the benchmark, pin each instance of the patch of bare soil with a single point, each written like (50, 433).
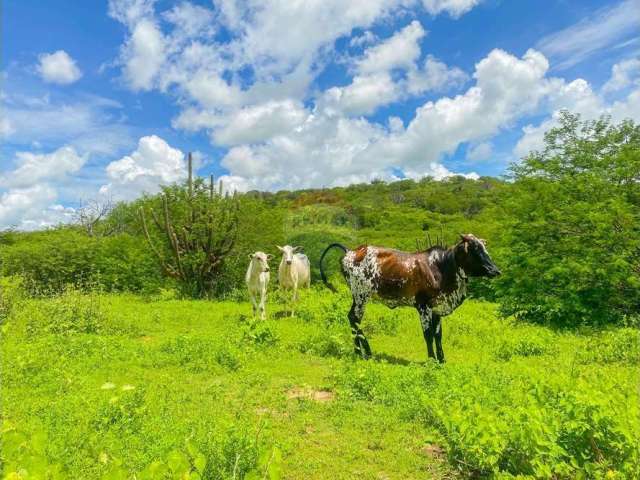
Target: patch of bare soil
(310, 394)
(432, 450)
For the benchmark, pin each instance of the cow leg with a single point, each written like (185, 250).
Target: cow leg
(436, 325)
(253, 303)
(294, 299)
(263, 313)
(427, 328)
(361, 345)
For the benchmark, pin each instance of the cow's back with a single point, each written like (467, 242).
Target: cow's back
(392, 274)
(303, 267)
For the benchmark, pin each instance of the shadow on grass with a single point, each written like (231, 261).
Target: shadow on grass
(392, 359)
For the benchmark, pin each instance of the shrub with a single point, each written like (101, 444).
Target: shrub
(258, 333)
(573, 204)
(621, 345)
(70, 312)
(524, 343)
(200, 355)
(11, 296)
(327, 344)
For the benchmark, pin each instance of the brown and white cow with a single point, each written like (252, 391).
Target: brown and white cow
(433, 281)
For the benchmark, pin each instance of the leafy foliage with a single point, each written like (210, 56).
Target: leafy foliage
(570, 248)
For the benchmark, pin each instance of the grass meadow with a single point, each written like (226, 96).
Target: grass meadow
(123, 386)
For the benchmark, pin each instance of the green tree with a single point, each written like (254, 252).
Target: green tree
(570, 240)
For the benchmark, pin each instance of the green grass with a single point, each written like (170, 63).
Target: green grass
(107, 386)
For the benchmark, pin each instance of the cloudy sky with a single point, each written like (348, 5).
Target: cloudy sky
(103, 99)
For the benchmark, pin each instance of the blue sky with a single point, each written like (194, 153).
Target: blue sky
(101, 100)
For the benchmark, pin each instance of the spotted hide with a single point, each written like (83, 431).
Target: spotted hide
(434, 282)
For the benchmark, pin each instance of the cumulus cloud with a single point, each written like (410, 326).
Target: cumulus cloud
(153, 163)
(143, 55)
(577, 97)
(25, 208)
(374, 84)
(455, 8)
(58, 67)
(434, 75)
(32, 168)
(260, 122)
(623, 74)
(401, 50)
(29, 191)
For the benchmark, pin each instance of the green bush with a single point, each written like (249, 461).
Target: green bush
(70, 312)
(11, 296)
(570, 240)
(622, 345)
(489, 426)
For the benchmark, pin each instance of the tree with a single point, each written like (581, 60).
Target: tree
(571, 238)
(199, 226)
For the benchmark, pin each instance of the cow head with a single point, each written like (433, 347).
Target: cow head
(472, 256)
(260, 261)
(287, 253)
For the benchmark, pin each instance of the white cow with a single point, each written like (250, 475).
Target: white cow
(294, 271)
(257, 279)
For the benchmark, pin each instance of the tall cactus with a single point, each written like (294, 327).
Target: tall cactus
(199, 226)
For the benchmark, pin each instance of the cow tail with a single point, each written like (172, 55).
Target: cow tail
(322, 274)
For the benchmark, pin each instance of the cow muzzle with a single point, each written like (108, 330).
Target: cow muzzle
(288, 262)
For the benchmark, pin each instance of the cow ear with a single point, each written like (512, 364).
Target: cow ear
(297, 249)
(280, 248)
(251, 256)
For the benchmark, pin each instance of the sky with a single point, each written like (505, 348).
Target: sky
(101, 100)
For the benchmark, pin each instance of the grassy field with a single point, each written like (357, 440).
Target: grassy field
(130, 387)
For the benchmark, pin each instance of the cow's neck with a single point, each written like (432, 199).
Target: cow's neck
(451, 272)
(255, 271)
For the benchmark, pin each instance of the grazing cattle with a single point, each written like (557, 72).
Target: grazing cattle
(433, 281)
(294, 272)
(257, 279)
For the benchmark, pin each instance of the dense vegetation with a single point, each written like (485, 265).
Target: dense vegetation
(111, 370)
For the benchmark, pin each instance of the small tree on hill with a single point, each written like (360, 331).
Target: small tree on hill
(199, 226)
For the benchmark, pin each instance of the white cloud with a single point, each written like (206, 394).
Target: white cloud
(479, 152)
(605, 27)
(374, 85)
(153, 163)
(260, 122)
(623, 75)
(576, 97)
(367, 38)
(31, 168)
(455, 8)
(143, 55)
(399, 51)
(130, 12)
(32, 188)
(506, 88)
(24, 207)
(58, 67)
(434, 76)
(362, 96)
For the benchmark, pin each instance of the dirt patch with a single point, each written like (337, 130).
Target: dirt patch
(310, 394)
(434, 451)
